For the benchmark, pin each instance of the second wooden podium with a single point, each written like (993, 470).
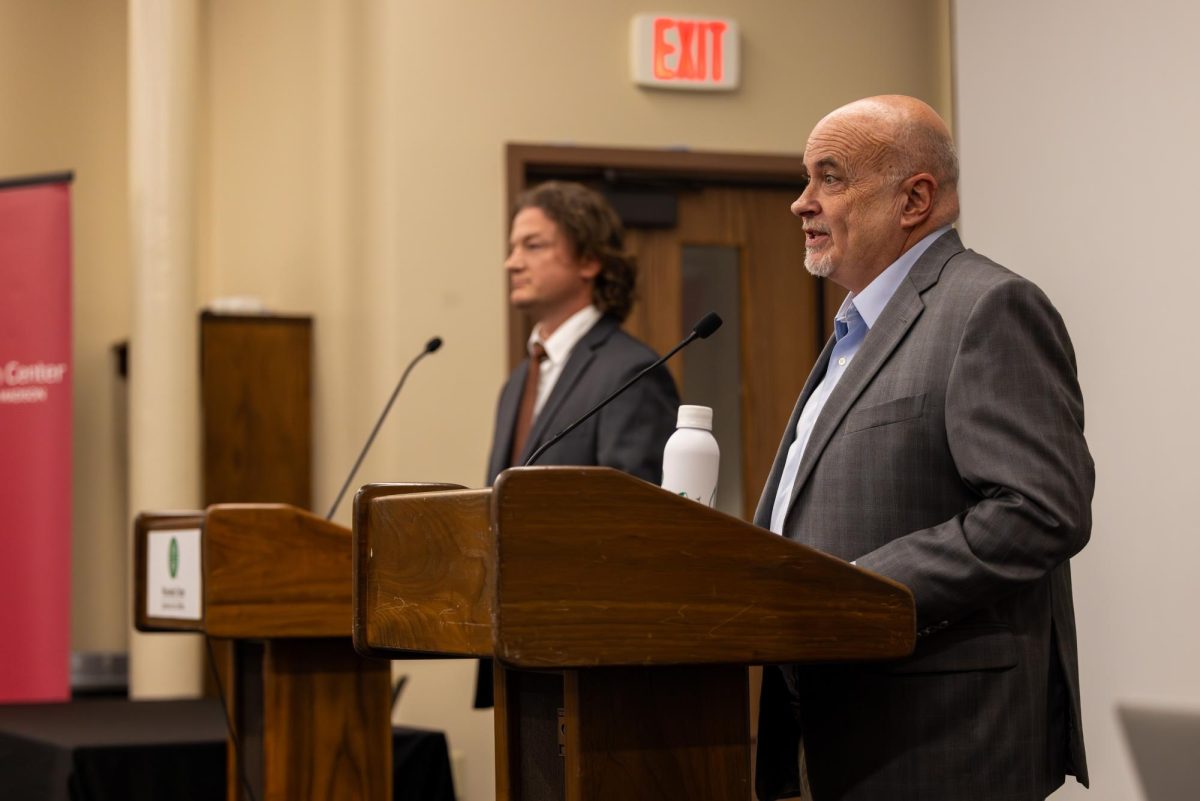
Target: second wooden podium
(311, 716)
(622, 620)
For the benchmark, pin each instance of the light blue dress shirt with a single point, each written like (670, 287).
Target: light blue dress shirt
(851, 324)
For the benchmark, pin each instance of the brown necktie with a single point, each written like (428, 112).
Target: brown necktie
(537, 355)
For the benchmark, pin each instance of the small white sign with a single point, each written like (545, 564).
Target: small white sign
(173, 583)
(675, 51)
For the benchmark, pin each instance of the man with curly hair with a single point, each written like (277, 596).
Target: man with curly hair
(569, 272)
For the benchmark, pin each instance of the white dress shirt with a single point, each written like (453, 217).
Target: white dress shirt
(558, 349)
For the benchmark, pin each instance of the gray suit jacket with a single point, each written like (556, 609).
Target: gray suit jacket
(950, 457)
(628, 434)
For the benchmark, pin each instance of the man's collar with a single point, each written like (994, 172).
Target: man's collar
(560, 344)
(875, 296)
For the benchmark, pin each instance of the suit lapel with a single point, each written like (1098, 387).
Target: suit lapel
(766, 502)
(582, 355)
(506, 418)
(889, 330)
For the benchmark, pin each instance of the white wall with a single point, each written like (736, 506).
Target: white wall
(1078, 123)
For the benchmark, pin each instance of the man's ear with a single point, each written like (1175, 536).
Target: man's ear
(589, 269)
(919, 193)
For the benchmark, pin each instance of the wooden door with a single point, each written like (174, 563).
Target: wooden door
(776, 325)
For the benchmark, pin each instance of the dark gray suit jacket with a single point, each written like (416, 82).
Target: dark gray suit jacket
(628, 434)
(950, 457)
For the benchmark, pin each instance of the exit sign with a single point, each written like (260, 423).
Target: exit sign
(678, 52)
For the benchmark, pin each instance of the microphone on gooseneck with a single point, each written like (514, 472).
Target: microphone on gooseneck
(430, 347)
(708, 324)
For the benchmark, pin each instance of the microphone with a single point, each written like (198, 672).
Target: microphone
(430, 347)
(705, 328)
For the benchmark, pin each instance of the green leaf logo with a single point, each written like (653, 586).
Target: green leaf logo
(173, 557)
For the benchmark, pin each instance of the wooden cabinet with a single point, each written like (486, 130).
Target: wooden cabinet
(256, 407)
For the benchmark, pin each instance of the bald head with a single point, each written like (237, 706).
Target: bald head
(883, 175)
(908, 138)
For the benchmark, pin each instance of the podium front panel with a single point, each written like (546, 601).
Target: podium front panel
(423, 581)
(598, 568)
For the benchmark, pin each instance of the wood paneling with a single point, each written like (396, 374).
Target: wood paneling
(657, 314)
(423, 573)
(327, 722)
(698, 165)
(275, 571)
(594, 567)
(642, 734)
(256, 402)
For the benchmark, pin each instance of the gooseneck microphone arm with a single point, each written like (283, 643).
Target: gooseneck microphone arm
(430, 347)
(701, 330)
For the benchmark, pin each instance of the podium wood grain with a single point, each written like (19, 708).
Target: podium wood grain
(275, 571)
(326, 711)
(433, 592)
(644, 734)
(598, 568)
(633, 611)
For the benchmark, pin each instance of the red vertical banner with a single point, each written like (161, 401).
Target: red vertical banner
(35, 439)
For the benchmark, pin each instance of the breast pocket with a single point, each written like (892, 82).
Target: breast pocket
(885, 414)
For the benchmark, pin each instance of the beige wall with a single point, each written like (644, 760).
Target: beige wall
(357, 172)
(62, 97)
(307, 208)
(1080, 167)
(351, 166)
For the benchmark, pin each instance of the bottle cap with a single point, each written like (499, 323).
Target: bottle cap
(695, 417)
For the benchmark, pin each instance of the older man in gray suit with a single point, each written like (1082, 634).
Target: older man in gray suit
(569, 272)
(938, 442)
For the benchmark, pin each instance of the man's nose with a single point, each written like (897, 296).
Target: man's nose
(804, 204)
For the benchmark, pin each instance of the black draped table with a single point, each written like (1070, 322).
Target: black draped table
(102, 749)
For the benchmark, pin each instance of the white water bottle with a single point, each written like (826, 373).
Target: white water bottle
(692, 457)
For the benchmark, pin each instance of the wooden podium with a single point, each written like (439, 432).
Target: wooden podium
(622, 619)
(312, 716)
